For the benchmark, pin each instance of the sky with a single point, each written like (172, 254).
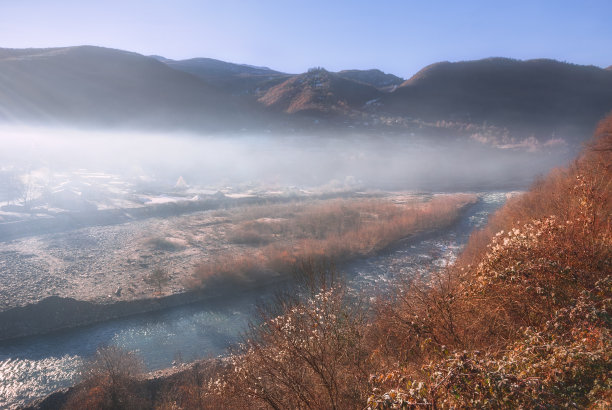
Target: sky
(395, 36)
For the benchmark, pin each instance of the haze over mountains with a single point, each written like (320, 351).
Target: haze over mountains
(497, 100)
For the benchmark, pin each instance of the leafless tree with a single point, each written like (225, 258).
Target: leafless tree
(109, 381)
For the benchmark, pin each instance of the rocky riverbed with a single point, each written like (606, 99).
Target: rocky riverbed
(95, 273)
(107, 263)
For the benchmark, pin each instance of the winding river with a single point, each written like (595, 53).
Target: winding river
(35, 366)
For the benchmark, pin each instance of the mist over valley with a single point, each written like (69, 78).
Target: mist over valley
(195, 233)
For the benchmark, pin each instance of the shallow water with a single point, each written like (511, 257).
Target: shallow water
(35, 366)
(410, 257)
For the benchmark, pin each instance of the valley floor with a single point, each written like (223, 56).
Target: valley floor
(107, 264)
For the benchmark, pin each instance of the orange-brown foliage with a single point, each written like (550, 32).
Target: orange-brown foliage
(337, 230)
(109, 382)
(543, 255)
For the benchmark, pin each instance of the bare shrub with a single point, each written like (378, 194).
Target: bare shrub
(164, 244)
(196, 388)
(158, 278)
(565, 362)
(311, 355)
(109, 382)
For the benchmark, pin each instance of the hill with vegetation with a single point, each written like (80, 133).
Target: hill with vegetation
(319, 92)
(106, 87)
(522, 319)
(498, 101)
(541, 97)
(236, 79)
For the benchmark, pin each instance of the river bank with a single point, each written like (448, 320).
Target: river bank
(101, 273)
(55, 313)
(152, 383)
(36, 366)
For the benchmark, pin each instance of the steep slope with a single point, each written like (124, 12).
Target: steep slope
(544, 94)
(374, 77)
(237, 79)
(93, 85)
(319, 92)
(204, 67)
(524, 318)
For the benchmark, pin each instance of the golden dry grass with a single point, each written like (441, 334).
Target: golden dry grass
(280, 238)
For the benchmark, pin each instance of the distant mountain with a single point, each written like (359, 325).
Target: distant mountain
(210, 66)
(237, 79)
(372, 77)
(319, 92)
(533, 94)
(92, 85)
(101, 86)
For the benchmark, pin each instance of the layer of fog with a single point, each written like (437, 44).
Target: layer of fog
(267, 162)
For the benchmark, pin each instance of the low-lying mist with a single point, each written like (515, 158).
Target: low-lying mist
(48, 157)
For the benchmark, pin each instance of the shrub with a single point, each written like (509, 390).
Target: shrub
(523, 319)
(109, 382)
(307, 352)
(567, 362)
(163, 244)
(158, 278)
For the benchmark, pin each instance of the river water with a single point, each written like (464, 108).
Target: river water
(35, 366)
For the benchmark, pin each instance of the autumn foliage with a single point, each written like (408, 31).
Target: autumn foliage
(523, 319)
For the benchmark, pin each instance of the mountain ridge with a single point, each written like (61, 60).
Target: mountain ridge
(86, 84)
(373, 77)
(103, 86)
(319, 91)
(238, 79)
(505, 91)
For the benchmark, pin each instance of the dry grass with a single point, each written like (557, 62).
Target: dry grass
(280, 237)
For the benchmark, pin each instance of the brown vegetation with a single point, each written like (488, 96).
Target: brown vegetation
(109, 382)
(158, 278)
(311, 355)
(522, 320)
(337, 230)
(319, 91)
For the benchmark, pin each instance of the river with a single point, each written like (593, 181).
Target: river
(35, 366)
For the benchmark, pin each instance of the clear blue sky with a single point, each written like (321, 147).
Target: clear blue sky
(396, 36)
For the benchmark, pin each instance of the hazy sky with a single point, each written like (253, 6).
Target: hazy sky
(290, 35)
